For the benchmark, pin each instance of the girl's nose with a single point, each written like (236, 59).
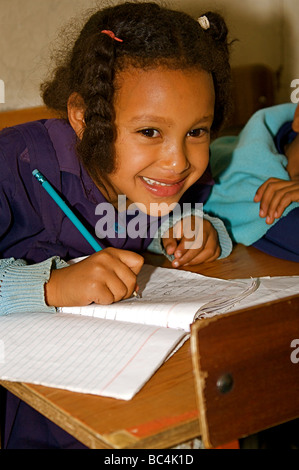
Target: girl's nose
(175, 160)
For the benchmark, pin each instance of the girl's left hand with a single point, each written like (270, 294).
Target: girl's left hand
(274, 195)
(198, 244)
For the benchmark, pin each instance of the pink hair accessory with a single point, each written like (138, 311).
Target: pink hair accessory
(111, 34)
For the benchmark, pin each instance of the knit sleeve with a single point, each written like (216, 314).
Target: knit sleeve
(22, 285)
(156, 246)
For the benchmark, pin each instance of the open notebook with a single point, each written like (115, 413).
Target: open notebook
(113, 350)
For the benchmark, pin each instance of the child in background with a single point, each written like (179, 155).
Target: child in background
(140, 93)
(256, 191)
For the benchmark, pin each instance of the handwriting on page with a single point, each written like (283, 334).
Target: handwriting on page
(169, 298)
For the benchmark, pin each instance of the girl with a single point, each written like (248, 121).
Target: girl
(140, 93)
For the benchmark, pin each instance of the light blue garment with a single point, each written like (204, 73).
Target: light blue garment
(240, 164)
(22, 285)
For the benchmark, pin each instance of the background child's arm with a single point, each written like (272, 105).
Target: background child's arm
(274, 195)
(292, 153)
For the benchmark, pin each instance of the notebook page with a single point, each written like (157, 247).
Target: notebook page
(269, 290)
(82, 354)
(169, 298)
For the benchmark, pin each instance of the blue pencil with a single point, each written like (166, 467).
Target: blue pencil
(63, 206)
(69, 213)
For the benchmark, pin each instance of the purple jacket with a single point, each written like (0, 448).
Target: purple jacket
(32, 227)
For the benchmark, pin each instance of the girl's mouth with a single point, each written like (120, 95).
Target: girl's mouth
(162, 188)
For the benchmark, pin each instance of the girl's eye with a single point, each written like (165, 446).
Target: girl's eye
(198, 132)
(149, 132)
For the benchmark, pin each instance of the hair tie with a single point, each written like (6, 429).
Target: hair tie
(111, 34)
(204, 22)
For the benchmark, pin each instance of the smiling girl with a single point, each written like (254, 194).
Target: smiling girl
(140, 92)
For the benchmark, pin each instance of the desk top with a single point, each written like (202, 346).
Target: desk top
(164, 413)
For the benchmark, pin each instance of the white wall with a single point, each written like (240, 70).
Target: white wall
(267, 32)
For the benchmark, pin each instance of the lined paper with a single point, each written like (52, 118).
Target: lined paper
(83, 354)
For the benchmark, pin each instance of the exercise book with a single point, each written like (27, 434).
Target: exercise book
(113, 350)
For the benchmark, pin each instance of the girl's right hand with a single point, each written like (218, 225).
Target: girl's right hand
(104, 277)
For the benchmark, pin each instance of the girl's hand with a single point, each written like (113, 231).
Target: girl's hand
(274, 196)
(198, 244)
(104, 277)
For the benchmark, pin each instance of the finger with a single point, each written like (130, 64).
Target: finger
(274, 190)
(170, 245)
(261, 190)
(206, 256)
(181, 249)
(265, 193)
(193, 236)
(171, 238)
(114, 291)
(106, 296)
(259, 193)
(282, 198)
(185, 252)
(121, 269)
(209, 252)
(129, 278)
(132, 260)
(211, 248)
(285, 200)
(119, 284)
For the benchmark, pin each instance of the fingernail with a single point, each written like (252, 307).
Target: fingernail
(175, 264)
(262, 213)
(178, 254)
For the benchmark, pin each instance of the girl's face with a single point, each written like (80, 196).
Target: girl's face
(163, 121)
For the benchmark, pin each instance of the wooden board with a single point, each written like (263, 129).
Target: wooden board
(245, 379)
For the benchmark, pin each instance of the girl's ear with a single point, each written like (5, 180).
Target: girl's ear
(295, 125)
(75, 112)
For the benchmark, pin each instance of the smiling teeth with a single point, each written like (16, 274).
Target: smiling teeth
(149, 181)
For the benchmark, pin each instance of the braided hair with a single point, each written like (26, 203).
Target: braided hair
(151, 36)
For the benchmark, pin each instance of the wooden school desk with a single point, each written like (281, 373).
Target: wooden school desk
(166, 411)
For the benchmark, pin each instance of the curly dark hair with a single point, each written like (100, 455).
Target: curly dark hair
(152, 36)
